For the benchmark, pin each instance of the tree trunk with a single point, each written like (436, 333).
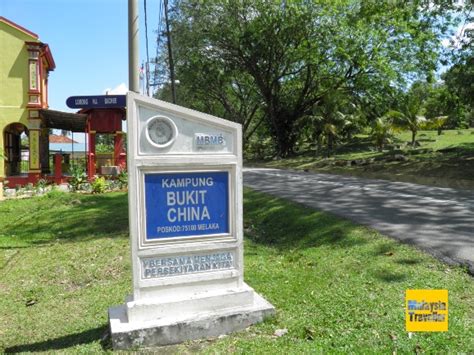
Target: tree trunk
(330, 145)
(413, 136)
(283, 127)
(319, 143)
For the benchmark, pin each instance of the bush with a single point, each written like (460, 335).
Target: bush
(259, 149)
(55, 194)
(122, 179)
(99, 185)
(41, 186)
(78, 178)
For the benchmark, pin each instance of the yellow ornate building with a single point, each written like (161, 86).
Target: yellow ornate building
(24, 68)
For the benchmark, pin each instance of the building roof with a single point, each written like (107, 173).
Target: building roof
(49, 56)
(74, 122)
(54, 138)
(18, 27)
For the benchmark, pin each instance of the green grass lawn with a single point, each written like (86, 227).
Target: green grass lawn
(445, 160)
(337, 287)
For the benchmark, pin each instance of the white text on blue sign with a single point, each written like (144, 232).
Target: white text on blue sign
(186, 204)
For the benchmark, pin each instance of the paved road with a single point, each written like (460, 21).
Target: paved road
(438, 220)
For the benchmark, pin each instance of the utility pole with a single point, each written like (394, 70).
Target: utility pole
(170, 54)
(133, 40)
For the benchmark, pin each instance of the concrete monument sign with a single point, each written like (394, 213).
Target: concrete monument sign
(185, 212)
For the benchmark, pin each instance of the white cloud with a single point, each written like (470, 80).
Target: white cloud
(118, 90)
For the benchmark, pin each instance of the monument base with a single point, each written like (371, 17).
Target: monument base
(184, 326)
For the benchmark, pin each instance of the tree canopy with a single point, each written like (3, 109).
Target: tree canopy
(270, 65)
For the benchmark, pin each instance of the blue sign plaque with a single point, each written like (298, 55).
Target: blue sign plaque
(98, 101)
(186, 204)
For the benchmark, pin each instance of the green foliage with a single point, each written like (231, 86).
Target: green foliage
(103, 148)
(410, 108)
(460, 79)
(104, 143)
(443, 101)
(122, 179)
(264, 63)
(41, 185)
(259, 149)
(55, 194)
(437, 123)
(99, 185)
(381, 132)
(78, 178)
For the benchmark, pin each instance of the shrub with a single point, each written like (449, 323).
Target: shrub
(99, 185)
(41, 186)
(78, 178)
(122, 179)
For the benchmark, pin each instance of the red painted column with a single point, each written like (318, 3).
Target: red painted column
(119, 155)
(58, 173)
(91, 156)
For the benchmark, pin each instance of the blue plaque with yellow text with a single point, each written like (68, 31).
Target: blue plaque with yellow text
(186, 204)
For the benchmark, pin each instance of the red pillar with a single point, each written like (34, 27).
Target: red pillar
(58, 173)
(91, 156)
(119, 154)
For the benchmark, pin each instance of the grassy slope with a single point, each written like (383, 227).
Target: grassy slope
(71, 259)
(336, 286)
(446, 160)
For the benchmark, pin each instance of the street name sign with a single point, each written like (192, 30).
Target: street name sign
(186, 232)
(100, 101)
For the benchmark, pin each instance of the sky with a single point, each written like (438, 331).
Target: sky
(88, 40)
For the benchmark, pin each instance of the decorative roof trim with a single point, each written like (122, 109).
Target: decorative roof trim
(18, 27)
(49, 57)
(45, 51)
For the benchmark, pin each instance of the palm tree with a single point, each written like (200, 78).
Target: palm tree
(328, 128)
(381, 132)
(336, 118)
(409, 116)
(437, 123)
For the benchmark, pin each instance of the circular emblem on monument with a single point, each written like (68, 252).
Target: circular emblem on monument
(161, 131)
